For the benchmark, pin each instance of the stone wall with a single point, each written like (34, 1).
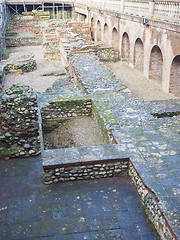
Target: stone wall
(22, 22)
(106, 54)
(86, 171)
(66, 109)
(23, 41)
(15, 28)
(151, 204)
(20, 63)
(19, 127)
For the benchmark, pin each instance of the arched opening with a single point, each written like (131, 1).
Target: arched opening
(115, 42)
(138, 54)
(174, 86)
(98, 31)
(92, 28)
(106, 34)
(125, 47)
(156, 64)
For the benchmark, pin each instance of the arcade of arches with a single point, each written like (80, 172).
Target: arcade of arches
(142, 49)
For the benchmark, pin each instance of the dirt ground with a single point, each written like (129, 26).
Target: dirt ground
(140, 86)
(76, 132)
(34, 79)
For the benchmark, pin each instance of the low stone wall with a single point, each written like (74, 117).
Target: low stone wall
(92, 170)
(65, 109)
(12, 31)
(20, 63)
(51, 45)
(19, 127)
(22, 22)
(152, 207)
(106, 54)
(23, 41)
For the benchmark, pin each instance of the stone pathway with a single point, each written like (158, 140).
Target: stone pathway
(153, 144)
(103, 209)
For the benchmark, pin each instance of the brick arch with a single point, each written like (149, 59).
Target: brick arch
(106, 33)
(174, 85)
(115, 40)
(125, 49)
(156, 64)
(138, 54)
(92, 28)
(98, 31)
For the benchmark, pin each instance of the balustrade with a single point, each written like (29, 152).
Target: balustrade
(137, 8)
(167, 10)
(164, 9)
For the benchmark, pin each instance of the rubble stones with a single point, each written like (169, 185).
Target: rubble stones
(19, 128)
(106, 54)
(155, 213)
(19, 62)
(23, 41)
(65, 109)
(84, 172)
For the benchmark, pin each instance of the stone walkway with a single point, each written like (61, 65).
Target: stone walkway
(153, 144)
(146, 132)
(104, 209)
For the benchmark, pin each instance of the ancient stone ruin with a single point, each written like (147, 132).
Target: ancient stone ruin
(20, 63)
(19, 123)
(66, 117)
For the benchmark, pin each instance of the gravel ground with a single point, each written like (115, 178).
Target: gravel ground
(75, 132)
(139, 85)
(34, 79)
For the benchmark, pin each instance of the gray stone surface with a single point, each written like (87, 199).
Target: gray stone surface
(103, 209)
